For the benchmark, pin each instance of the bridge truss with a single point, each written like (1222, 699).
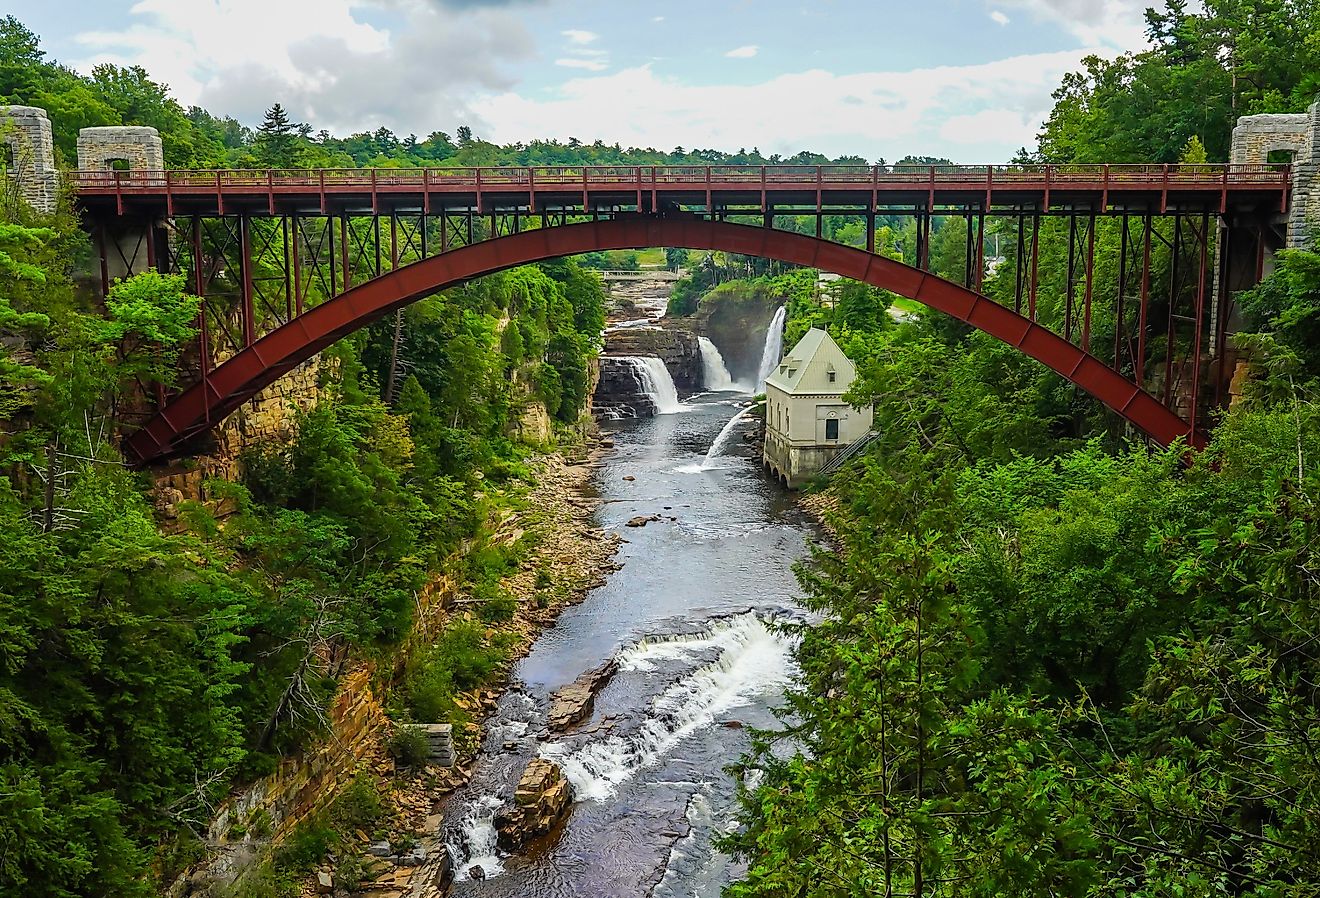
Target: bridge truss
(264, 248)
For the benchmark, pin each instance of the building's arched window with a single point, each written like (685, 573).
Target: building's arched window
(118, 165)
(1281, 157)
(6, 155)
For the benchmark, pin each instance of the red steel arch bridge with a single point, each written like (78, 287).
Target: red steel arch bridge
(287, 262)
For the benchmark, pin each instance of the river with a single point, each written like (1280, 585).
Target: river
(686, 618)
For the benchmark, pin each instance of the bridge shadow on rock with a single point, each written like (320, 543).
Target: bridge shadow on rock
(201, 407)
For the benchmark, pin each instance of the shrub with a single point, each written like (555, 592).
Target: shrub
(409, 746)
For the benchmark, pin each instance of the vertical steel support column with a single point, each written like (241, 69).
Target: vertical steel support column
(330, 251)
(1139, 366)
(1119, 323)
(99, 230)
(980, 252)
(870, 232)
(297, 264)
(1221, 314)
(421, 223)
(151, 245)
(923, 240)
(203, 335)
(1034, 289)
(1072, 276)
(394, 240)
(1198, 329)
(1173, 304)
(375, 236)
(444, 231)
(1090, 280)
(343, 251)
(288, 271)
(1019, 261)
(967, 252)
(245, 269)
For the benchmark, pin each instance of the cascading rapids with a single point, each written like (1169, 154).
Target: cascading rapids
(752, 660)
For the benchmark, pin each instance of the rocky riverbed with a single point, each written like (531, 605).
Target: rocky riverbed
(571, 555)
(640, 696)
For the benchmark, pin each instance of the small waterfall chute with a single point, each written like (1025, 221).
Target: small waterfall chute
(717, 447)
(774, 346)
(475, 843)
(656, 383)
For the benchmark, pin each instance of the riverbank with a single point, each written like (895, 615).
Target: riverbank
(687, 625)
(566, 555)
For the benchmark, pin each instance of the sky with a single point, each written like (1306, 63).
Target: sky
(969, 80)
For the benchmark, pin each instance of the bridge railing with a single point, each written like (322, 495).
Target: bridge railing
(698, 176)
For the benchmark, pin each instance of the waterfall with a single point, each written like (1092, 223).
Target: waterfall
(718, 446)
(774, 346)
(656, 383)
(714, 373)
(474, 844)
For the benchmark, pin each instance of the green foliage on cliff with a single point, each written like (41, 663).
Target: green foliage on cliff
(1050, 663)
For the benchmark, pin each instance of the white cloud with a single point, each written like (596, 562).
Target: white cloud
(998, 17)
(320, 58)
(975, 113)
(580, 37)
(1116, 24)
(591, 65)
(1013, 127)
(657, 18)
(746, 52)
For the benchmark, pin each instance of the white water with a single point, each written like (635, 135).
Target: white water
(774, 346)
(717, 447)
(714, 372)
(656, 383)
(752, 660)
(476, 846)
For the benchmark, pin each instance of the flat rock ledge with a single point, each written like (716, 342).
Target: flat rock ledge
(574, 703)
(541, 800)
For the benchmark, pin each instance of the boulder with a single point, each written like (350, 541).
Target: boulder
(573, 703)
(541, 800)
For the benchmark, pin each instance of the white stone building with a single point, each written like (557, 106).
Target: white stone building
(806, 420)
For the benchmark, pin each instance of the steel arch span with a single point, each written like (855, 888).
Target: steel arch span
(202, 406)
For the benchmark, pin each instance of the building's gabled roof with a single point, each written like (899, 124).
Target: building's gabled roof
(806, 367)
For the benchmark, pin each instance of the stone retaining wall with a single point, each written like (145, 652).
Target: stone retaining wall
(140, 148)
(31, 163)
(1256, 136)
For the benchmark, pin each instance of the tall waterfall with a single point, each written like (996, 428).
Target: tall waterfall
(715, 374)
(656, 383)
(774, 346)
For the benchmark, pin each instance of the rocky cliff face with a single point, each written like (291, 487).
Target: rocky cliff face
(736, 322)
(674, 342)
(621, 392)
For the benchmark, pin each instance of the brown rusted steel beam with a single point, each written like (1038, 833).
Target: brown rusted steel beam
(257, 366)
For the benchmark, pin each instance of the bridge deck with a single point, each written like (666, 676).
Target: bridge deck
(809, 189)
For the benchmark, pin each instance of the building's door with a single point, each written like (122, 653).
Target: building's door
(831, 428)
